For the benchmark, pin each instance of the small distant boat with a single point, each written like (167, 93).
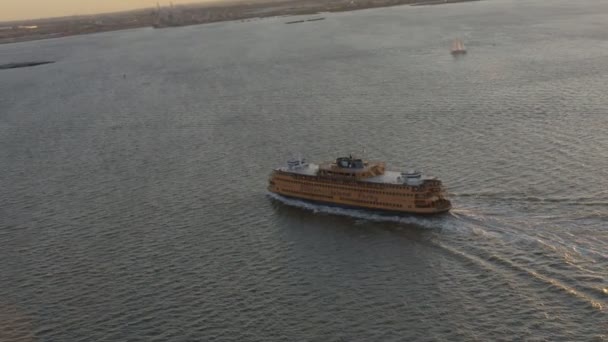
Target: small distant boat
(458, 47)
(301, 21)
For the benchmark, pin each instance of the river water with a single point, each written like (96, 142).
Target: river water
(133, 202)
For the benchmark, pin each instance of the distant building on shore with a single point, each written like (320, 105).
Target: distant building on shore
(167, 17)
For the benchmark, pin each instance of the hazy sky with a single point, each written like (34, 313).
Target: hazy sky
(29, 9)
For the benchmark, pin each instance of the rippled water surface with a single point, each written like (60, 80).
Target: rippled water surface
(133, 202)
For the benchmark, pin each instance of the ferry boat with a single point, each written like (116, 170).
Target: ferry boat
(357, 183)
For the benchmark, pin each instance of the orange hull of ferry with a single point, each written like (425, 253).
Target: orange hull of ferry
(366, 187)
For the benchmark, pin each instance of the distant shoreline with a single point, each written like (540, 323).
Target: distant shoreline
(186, 15)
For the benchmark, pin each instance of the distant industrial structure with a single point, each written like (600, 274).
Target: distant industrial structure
(167, 17)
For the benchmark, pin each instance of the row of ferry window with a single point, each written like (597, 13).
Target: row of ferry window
(394, 205)
(347, 174)
(372, 185)
(307, 193)
(343, 188)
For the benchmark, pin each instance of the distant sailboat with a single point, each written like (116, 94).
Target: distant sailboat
(458, 47)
